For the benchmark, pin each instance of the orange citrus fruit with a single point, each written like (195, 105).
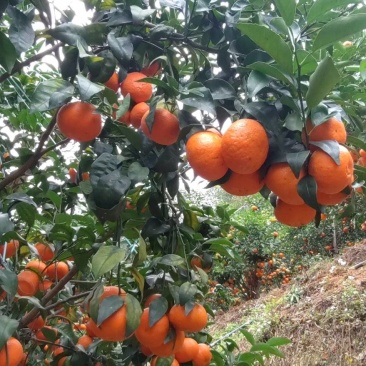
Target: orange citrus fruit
(152, 69)
(282, 181)
(330, 199)
(165, 129)
(203, 356)
(12, 353)
(57, 352)
(85, 341)
(330, 177)
(293, 215)
(137, 113)
(11, 248)
(36, 324)
(150, 299)
(198, 262)
(205, 156)
(45, 252)
(154, 360)
(45, 285)
(188, 350)
(139, 91)
(37, 266)
(332, 129)
(79, 121)
(195, 321)
(243, 184)
(169, 348)
(112, 82)
(245, 146)
(57, 270)
(113, 328)
(28, 283)
(152, 336)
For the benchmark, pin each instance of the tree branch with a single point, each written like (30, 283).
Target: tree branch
(27, 318)
(32, 161)
(27, 62)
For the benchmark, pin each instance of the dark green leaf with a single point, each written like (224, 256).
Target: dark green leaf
(139, 15)
(8, 327)
(121, 48)
(137, 173)
(248, 336)
(8, 54)
(297, 161)
(134, 312)
(157, 308)
(287, 9)
(154, 227)
(307, 191)
(320, 114)
(51, 94)
(270, 42)
(338, 29)
(87, 88)
(220, 89)
(5, 224)
(21, 32)
(69, 33)
(256, 82)
(21, 197)
(9, 281)
(278, 341)
(225, 251)
(26, 213)
(357, 142)
(272, 71)
(294, 122)
(322, 81)
(187, 292)
(267, 349)
(171, 260)
(330, 147)
(320, 7)
(201, 99)
(161, 31)
(106, 258)
(95, 34)
(162, 84)
(62, 232)
(3, 5)
(107, 307)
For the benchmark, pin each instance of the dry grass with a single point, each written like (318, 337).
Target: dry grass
(327, 326)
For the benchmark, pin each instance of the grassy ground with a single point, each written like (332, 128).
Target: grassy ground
(322, 311)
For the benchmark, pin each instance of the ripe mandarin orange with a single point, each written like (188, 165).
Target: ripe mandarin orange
(112, 82)
(12, 353)
(113, 328)
(169, 348)
(330, 199)
(293, 215)
(204, 154)
(197, 261)
(57, 352)
(137, 113)
(165, 129)
(203, 356)
(243, 184)
(245, 146)
(150, 299)
(154, 360)
(79, 121)
(152, 336)
(36, 324)
(45, 252)
(188, 351)
(139, 91)
(45, 285)
(11, 248)
(330, 177)
(37, 266)
(57, 270)
(332, 129)
(151, 70)
(282, 181)
(85, 341)
(145, 350)
(195, 321)
(28, 283)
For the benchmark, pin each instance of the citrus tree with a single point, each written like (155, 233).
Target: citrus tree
(103, 258)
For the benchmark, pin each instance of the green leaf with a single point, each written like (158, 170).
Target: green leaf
(249, 336)
(338, 29)
(133, 316)
(137, 173)
(256, 82)
(8, 54)
(21, 32)
(356, 142)
(278, 341)
(187, 292)
(272, 71)
(220, 89)
(270, 42)
(87, 88)
(200, 98)
(157, 308)
(297, 161)
(139, 15)
(106, 258)
(121, 48)
(294, 122)
(9, 281)
(51, 94)
(21, 197)
(27, 213)
(322, 81)
(306, 189)
(267, 349)
(331, 147)
(321, 7)
(69, 33)
(320, 114)
(8, 327)
(287, 9)
(107, 307)
(171, 260)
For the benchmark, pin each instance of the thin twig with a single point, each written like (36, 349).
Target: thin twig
(359, 265)
(75, 297)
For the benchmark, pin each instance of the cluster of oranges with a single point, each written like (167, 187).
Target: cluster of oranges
(40, 273)
(243, 149)
(81, 122)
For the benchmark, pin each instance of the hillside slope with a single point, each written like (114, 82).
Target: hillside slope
(323, 312)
